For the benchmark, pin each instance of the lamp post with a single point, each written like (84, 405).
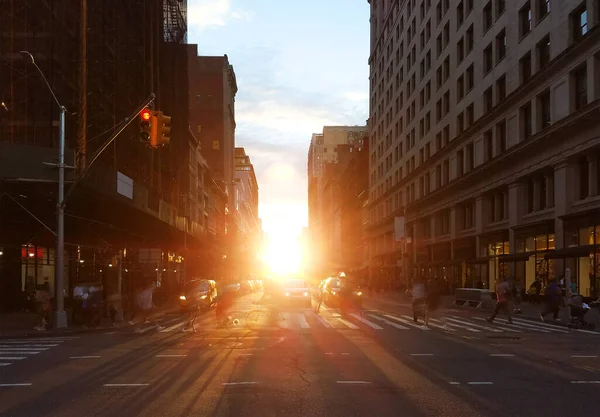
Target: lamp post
(60, 316)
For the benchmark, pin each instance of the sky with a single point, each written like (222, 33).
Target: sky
(300, 65)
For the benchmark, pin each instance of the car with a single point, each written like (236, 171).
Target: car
(297, 290)
(199, 293)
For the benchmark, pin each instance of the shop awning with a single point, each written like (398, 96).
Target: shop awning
(481, 261)
(572, 252)
(515, 257)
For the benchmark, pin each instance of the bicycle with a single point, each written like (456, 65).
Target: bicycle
(232, 320)
(263, 316)
(195, 313)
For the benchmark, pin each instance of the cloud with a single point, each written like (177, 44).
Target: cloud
(206, 14)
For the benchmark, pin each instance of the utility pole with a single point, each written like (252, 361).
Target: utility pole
(82, 128)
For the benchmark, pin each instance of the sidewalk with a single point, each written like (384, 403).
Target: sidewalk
(21, 325)
(531, 311)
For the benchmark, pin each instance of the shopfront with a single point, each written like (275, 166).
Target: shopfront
(488, 266)
(536, 245)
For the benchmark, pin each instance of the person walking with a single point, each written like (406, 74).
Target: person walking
(419, 297)
(502, 301)
(553, 300)
(433, 300)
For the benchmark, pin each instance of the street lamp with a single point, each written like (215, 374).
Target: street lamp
(60, 317)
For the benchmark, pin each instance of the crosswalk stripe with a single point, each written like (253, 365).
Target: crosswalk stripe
(347, 323)
(510, 327)
(5, 364)
(367, 322)
(22, 348)
(12, 358)
(388, 322)
(478, 326)
(442, 326)
(539, 326)
(408, 322)
(174, 327)
(323, 320)
(460, 326)
(303, 323)
(19, 352)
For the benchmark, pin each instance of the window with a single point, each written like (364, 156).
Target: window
(438, 176)
(470, 4)
(427, 150)
(525, 20)
(584, 177)
(439, 47)
(469, 157)
(470, 78)
(446, 34)
(544, 106)
(460, 14)
(445, 222)
(438, 141)
(460, 123)
(543, 8)
(446, 98)
(460, 88)
(525, 67)
(487, 59)
(438, 110)
(501, 137)
(488, 100)
(579, 22)
(488, 145)
(487, 17)
(543, 52)
(445, 171)
(460, 162)
(500, 89)
(446, 68)
(446, 135)
(501, 46)
(468, 216)
(470, 35)
(530, 196)
(500, 7)
(580, 81)
(527, 126)
(470, 114)
(460, 51)
(438, 12)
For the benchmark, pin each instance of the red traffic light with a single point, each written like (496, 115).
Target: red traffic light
(146, 115)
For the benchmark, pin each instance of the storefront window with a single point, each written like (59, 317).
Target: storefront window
(586, 236)
(520, 245)
(530, 244)
(571, 238)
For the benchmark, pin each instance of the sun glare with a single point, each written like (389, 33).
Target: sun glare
(283, 255)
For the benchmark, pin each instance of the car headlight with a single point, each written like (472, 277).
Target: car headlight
(182, 297)
(203, 297)
(359, 293)
(287, 294)
(306, 293)
(333, 292)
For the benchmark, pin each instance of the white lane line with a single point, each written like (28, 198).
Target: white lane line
(170, 356)
(26, 384)
(389, 323)
(347, 323)
(16, 349)
(353, 382)
(323, 320)
(5, 364)
(173, 327)
(407, 322)
(585, 382)
(240, 383)
(501, 355)
(125, 385)
(345, 354)
(146, 329)
(246, 354)
(303, 323)
(110, 333)
(23, 342)
(329, 353)
(480, 383)
(586, 331)
(367, 322)
(18, 352)
(421, 354)
(454, 383)
(477, 326)
(85, 357)
(12, 358)
(8, 345)
(510, 327)
(584, 356)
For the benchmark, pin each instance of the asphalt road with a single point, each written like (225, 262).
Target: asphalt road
(381, 364)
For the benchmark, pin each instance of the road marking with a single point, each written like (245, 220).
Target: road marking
(509, 327)
(584, 356)
(246, 354)
(480, 383)
(353, 382)
(444, 326)
(12, 345)
(367, 322)
(345, 354)
(26, 384)
(12, 358)
(460, 326)
(389, 316)
(542, 325)
(171, 356)
(389, 323)
(329, 353)
(347, 323)
(585, 382)
(18, 352)
(586, 331)
(502, 355)
(454, 383)
(173, 327)
(125, 385)
(421, 354)
(303, 323)
(240, 383)
(13, 349)
(323, 320)
(478, 326)
(5, 364)
(85, 357)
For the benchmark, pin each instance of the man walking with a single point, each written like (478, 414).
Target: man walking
(502, 300)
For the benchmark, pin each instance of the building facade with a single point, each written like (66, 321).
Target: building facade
(484, 131)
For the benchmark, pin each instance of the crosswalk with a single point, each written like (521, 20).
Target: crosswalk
(17, 350)
(375, 320)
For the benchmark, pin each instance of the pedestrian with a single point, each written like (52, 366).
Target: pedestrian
(43, 299)
(502, 300)
(114, 306)
(433, 300)
(517, 297)
(553, 300)
(419, 297)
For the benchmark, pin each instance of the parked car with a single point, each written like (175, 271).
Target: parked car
(201, 293)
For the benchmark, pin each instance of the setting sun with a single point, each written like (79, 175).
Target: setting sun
(283, 254)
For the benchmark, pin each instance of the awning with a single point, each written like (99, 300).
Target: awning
(515, 257)
(481, 261)
(572, 252)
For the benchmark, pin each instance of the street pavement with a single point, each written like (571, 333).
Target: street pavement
(379, 363)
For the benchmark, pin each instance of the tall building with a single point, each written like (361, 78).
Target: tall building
(484, 140)
(327, 157)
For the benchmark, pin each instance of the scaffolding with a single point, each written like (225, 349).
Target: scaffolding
(175, 21)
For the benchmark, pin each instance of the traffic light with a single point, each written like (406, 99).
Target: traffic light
(148, 126)
(163, 124)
